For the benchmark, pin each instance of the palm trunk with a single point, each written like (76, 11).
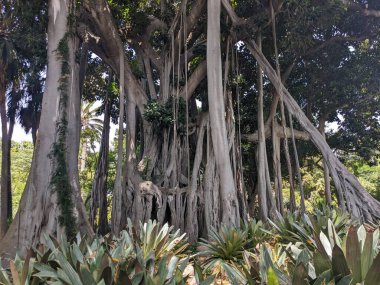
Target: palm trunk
(4, 159)
(10, 134)
(83, 155)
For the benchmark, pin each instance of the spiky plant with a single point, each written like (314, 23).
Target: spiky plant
(152, 257)
(223, 253)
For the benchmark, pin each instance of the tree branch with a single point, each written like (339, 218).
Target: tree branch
(196, 77)
(300, 135)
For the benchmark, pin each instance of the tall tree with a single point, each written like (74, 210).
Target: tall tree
(51, 197)
(229, 205)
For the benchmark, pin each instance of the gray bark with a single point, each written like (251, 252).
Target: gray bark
(99, 187)
(229, 203)
(261, 148)
(298, 170)
(118, 216)
(326, 172)
(38, 211)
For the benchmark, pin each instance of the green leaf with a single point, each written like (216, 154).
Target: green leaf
(78, 254)
(68, 269)
(300, 275)
(207, 281)
(324, 278)
(373, 274)
(321, 263)
(346, 280)
(353, 255)
(367, 254)
(4, 279)
(326, 244)
(86, 275)
(272, 277)
(172, 267)
(63, 276)
(339, 264)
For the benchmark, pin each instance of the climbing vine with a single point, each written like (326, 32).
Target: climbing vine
(60, 178)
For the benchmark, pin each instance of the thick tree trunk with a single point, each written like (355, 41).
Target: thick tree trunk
(5, 157)
(118, 215)
(38, 212)
(229, 203)
(73, 113)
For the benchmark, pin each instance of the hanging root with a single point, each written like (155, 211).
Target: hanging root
(351, 194)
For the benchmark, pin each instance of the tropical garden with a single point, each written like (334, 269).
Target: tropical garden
(190, 142)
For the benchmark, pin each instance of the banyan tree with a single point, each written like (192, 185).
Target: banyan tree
(177, 65)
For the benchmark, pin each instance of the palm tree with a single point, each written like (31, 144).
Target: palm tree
(8, 65)
(91, 127)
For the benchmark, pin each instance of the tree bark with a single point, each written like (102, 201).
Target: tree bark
(298, 169)
(99, 187)
(83, 155)
(10, 135)
(326, 172)
(73, 112)
(118, 216)
(229, 203)
(191, 218)
(277, 170)
(5, 156)
(261, 148)
(38, 212)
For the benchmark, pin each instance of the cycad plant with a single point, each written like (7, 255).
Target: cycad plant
(354, 260)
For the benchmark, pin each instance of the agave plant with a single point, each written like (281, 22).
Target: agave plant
(304, 228)
(158, 254)
(20, 271)
(152, 257)
(354, 260)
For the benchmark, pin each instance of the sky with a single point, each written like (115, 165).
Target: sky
(19, 134)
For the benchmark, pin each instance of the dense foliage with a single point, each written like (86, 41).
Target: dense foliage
(321, 248)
